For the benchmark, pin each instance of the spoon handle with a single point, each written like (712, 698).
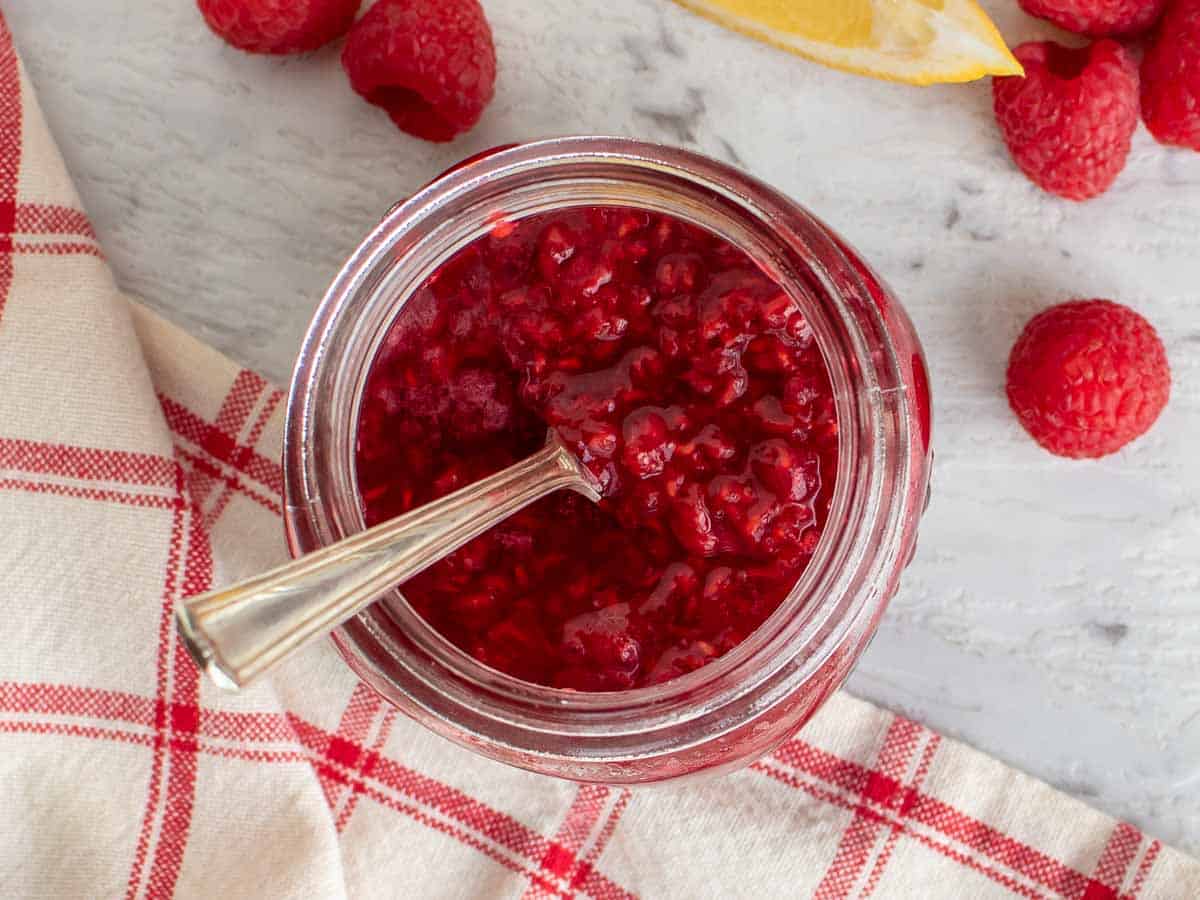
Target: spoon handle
(236, 633)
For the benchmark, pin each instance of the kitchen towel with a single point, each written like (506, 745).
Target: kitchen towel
(138, 466)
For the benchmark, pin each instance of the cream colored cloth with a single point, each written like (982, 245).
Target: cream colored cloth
(137, 467)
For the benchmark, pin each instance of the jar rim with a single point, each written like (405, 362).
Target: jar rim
(879, 407)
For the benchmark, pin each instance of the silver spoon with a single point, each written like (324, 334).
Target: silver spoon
(238, 632)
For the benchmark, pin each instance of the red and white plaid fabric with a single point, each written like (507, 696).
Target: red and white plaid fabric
(137, 467)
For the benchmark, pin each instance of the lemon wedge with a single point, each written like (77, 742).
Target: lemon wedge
(914, 41)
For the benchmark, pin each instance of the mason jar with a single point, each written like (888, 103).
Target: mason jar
(745, 703)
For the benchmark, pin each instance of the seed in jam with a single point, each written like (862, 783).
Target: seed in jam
(683, 377)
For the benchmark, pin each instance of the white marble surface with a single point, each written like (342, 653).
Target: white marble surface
(1052, 616)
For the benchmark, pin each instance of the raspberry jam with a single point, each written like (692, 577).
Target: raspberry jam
(687, 381)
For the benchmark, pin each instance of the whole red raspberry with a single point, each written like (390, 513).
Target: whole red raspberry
(279, 26)
(1171, 77)
(1069, 121)
(1087, 377)
(1097, 18)
(430, 63)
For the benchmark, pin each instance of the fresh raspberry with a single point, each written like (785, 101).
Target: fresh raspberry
(429, 63)
(279, 26)
(1069, 122)
(1087, 377)
(1097, 18)
(1171, 77)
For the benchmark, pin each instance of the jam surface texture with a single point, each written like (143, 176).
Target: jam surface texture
(683, 376)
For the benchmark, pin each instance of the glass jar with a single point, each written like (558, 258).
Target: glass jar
(745, 703)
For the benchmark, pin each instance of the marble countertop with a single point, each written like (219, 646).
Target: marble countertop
(1052, 616)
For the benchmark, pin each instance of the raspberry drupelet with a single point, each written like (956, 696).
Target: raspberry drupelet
(682, 375)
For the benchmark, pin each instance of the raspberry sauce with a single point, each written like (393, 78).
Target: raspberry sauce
(686, 380)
